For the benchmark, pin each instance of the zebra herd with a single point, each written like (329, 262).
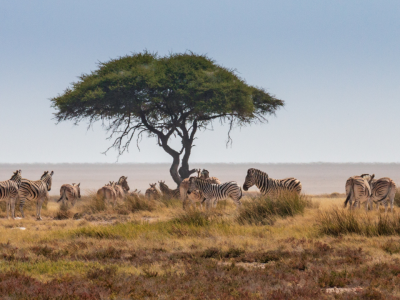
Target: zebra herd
(201, 189)
(18, 188)
(366, 189)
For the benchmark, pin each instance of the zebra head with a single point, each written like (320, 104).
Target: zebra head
(192, 185)
(16, 176)
(122, 182)
(205, 174)
(77, 187)
(163, 187)
(47, 178)
(250, 179)
(153, 185)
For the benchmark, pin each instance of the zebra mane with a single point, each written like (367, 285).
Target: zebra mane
(259, 172)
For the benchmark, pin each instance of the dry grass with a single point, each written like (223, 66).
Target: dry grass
(153, 250)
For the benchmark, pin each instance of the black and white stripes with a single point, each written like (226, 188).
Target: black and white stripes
(35, 191)
(214, 192)
(269, 185)
(9, 192)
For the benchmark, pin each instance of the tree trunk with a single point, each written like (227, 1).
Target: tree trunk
(174, 170)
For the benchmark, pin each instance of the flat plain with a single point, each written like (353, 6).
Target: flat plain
(302, 247)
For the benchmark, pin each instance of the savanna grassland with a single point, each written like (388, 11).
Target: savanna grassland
(291, 247)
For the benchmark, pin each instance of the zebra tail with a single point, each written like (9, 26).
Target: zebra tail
(62, 196)
(349, 195)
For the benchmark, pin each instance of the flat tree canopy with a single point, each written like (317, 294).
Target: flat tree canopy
(174, 95)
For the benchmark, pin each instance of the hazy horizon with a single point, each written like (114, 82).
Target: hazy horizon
(316, 178)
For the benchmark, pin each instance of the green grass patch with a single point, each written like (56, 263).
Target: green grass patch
(263, 210)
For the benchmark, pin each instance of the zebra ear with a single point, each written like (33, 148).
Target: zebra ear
(52, 172)
(73, 184)
(79, 184)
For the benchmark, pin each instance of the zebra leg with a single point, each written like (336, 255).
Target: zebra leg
(13, 208)
(21, 207)
(39, 208)
(8, 207)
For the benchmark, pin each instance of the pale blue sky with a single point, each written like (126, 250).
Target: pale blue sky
(335, 63)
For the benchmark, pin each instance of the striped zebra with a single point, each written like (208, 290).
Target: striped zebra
(268, 185)
(9, 192)
(35, 191)
(383, 190)
(167, 192)
(213, 193)
(70, 193)
(358, 190)
(122, 187)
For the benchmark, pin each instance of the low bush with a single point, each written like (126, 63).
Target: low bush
(340, 221)
(262, 210)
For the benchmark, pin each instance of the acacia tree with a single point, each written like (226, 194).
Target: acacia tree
(163, 97)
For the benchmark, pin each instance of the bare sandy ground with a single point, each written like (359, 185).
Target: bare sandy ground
(317, 178)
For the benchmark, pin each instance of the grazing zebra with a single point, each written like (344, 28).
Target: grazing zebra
(206, 175)
(214, 192)
(107, 193)
(269, 185)
(167, 192)
(358, 190)
(35, 191)
(9, 192)
(70, 193)
(382, 191)
(152, 192)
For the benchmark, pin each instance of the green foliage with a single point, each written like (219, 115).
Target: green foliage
(147, 82)
(262, 210)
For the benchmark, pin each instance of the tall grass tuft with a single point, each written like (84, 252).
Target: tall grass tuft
(339, 221)
(136, 203)
(63, 212)
(397, 197)
(263, 210)
(94, 205)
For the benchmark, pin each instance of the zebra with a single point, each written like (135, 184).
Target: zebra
(119, 191)
(358, 189)
(268, 185)
(212, 192)
(152, 192)
(167, 192)
(383, 190)
(107, 193)
(70, 193)
(206, 175)
(122, 187)
(9, 191)
(35, 190)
